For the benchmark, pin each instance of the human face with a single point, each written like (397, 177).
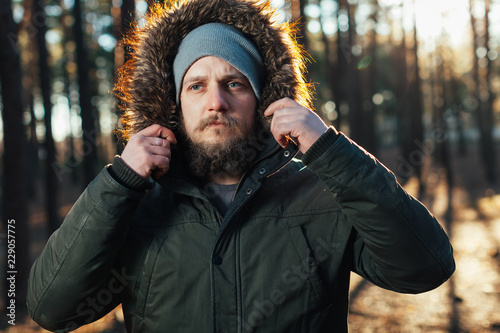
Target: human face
(217, 102)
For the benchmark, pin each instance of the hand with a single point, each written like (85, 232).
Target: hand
(148, 151)
(293, 121)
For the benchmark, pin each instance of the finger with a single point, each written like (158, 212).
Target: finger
(280, 104)
(278, 134)
(156, 141)
(160, 132)
(160, 162)
(168, 135)
(159, 151)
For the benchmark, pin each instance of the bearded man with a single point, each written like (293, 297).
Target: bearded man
(206, 222)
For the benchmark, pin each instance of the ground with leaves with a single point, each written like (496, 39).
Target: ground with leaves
(468, 302)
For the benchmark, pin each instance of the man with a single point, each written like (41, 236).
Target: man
(206, 223)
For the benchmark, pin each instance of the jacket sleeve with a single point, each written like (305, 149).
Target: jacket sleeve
(74, 281)
(398, 244)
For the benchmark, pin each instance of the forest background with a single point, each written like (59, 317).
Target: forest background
(416, 83)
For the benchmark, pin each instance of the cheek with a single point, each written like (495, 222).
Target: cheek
(250, 111)
(189, 115)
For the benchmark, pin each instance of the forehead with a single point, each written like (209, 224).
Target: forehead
(211, 66)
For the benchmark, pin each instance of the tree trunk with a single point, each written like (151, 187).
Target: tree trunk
(28, 100)
(490, 158)
(405, 168)
(51, 180)
(344, 60)
(416, 112)
(127, 18)
(369, 111)
(441, 125)
(410, 113)
(484, 97)
(354, 87)
(90, 157)
(331, 77)
(71, 161)
(14, 188)
(303, 25)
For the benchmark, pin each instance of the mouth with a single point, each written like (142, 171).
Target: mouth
(217, 123)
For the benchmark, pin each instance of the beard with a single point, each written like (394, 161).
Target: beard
(230, 157)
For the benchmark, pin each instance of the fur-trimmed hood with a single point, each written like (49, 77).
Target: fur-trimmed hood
(145, 84)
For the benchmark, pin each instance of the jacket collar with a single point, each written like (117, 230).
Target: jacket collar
(270, 158)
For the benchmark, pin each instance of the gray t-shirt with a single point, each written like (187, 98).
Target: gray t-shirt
(221, 195)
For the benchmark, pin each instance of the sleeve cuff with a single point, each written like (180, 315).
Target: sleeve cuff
(124, 175)
(324, 142)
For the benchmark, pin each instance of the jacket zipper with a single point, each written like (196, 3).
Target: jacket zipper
(221, 231)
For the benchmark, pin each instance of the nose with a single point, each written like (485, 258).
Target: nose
(217, 99)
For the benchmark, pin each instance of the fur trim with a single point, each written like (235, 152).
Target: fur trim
(145, 86)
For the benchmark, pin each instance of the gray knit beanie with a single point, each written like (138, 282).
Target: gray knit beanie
(222, 41)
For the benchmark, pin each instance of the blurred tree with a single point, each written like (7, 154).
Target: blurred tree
(370, 60)
(127, 19)
(456, 109)
(300, 15)
(67, 61)
(123, 20)
(330, 70)
(28, 98)
(39, 18)
(441, 101)
(416, 110)
(89, 119)
(484, 94)
(14, 189)
(410, 110)
(489, 120)
(344, 60)
(400, 54)
(352, 75)
(123, 24)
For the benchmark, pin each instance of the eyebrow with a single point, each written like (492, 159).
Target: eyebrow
(198, 78)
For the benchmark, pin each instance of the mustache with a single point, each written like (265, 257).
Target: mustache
(225, 120)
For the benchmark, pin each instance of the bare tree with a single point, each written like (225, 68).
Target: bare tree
(369, 109)
(410, 108)
(14, 189)
(87, 113)
(484, 111)
(330, 69)
(344, 60)
(416, 109)
(51, 181)
(400, 55)
(490, 155)
(28, 101)
(440, 104)
(68, 77)
(352, 77)
(127, 19)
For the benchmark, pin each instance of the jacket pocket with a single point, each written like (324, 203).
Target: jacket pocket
(310, 266)
(146, 276)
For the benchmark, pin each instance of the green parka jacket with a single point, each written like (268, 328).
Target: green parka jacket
(279, 260)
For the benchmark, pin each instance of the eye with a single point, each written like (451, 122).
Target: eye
(195, 87)
(234, 84)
